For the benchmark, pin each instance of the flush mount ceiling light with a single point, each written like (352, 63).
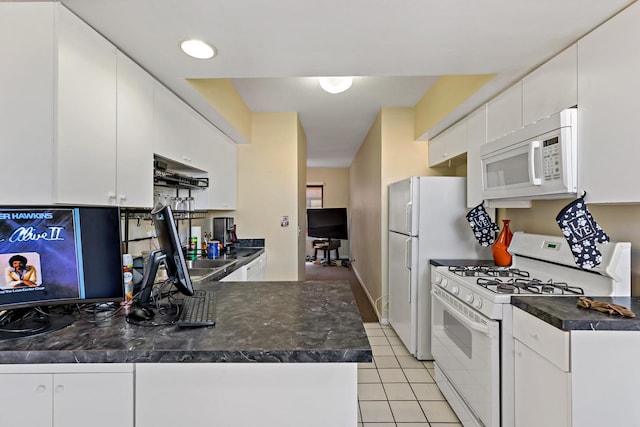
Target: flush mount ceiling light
(198, 49)
(335, 84)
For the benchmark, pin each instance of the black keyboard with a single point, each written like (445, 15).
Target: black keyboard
(198, 310)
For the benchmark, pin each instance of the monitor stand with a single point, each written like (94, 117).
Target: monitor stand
(28, 322)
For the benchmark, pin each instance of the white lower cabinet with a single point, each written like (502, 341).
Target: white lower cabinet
(578, 378)
(252, 272)
(536, 381)
(256, 269)
(246, 394)
(33, 397)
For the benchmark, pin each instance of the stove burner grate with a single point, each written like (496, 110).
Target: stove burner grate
(533, 286)
(487, 271)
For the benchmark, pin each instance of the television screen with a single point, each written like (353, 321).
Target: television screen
(327, 223)
(60, 255)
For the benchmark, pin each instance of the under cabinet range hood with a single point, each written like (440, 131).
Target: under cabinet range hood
(538, 161)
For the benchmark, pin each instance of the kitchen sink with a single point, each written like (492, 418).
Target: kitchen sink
(209, 263)
(201, 269)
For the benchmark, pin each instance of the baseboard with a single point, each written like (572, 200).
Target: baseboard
(366, 291)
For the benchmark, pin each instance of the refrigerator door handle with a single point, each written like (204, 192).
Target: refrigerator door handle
(407, 263)
(408, 219)
(407, 254)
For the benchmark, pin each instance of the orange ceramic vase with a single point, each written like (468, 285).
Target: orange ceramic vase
(499, 249)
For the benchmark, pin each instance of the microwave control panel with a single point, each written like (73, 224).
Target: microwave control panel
(552, 159)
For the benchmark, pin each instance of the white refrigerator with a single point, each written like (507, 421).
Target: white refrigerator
(427, 220)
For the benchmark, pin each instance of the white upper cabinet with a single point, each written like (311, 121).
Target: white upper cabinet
(180, 132)
(504, 112)
(184, 136)
(222, 193)
(26, 103)
(449, 144)
(476, 136)
(134, 135)
(552, 87)
(62, 109)
(85, 147)
(608, 124)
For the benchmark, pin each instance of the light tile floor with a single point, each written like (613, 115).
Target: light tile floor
(396, 389)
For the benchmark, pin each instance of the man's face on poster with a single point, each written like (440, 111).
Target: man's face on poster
(17, 264)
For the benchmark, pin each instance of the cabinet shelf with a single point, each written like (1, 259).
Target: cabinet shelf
(166, 178)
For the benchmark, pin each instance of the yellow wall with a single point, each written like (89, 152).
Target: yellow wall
(335, 182)
(444, 96)
(618, 221)
(225, 99)
(388, 154)
(269, 188)
(365, 177)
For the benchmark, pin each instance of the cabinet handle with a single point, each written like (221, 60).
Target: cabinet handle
(112, 196)
(41, 389)
(123, 197)
(534, 335)
(59, 389)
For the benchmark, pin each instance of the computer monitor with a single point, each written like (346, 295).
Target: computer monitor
(170, 253)
(59, 255)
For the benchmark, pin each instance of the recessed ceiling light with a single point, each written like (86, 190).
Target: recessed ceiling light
(198, 49)
(335, 84)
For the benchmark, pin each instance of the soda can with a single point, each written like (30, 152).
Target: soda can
(213, 250)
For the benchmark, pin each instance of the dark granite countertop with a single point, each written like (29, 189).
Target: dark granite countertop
(264, 322)
(461, 262)
(563, 313)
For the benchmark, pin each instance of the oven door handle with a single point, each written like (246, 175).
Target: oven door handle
(454, 312)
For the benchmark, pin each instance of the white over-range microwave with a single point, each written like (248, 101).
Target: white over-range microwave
(538, 161)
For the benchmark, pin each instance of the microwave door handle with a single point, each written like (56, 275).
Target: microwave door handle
(532, 163)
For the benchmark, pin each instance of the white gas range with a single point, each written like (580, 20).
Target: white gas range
(472, 340)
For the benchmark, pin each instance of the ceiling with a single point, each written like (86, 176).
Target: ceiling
(396, 48)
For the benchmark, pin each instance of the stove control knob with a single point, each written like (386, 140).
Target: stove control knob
(477, 303)
(468, 298)
(438, 279)
(455, 290)
(444, 283)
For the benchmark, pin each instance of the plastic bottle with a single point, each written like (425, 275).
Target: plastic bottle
(127, 271)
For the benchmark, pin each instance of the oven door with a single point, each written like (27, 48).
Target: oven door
(466, 347)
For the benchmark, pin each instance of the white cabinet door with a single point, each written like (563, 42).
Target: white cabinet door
(222, 193)
(542, 391)
(239, 275)
(256, 269)
(134, 135)
(452, 142)
(168, 140)
(552, 87)
(608, 125)
(27, 400)
(26, 101)
(98, 400)
(476, 136)
(504, 112)
(180, 132)
(85, 147)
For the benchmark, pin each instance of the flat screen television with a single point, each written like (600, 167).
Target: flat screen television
(327, 223)
(170, 253)
(59, 255)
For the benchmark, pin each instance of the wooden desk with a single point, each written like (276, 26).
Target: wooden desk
(327, 246)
